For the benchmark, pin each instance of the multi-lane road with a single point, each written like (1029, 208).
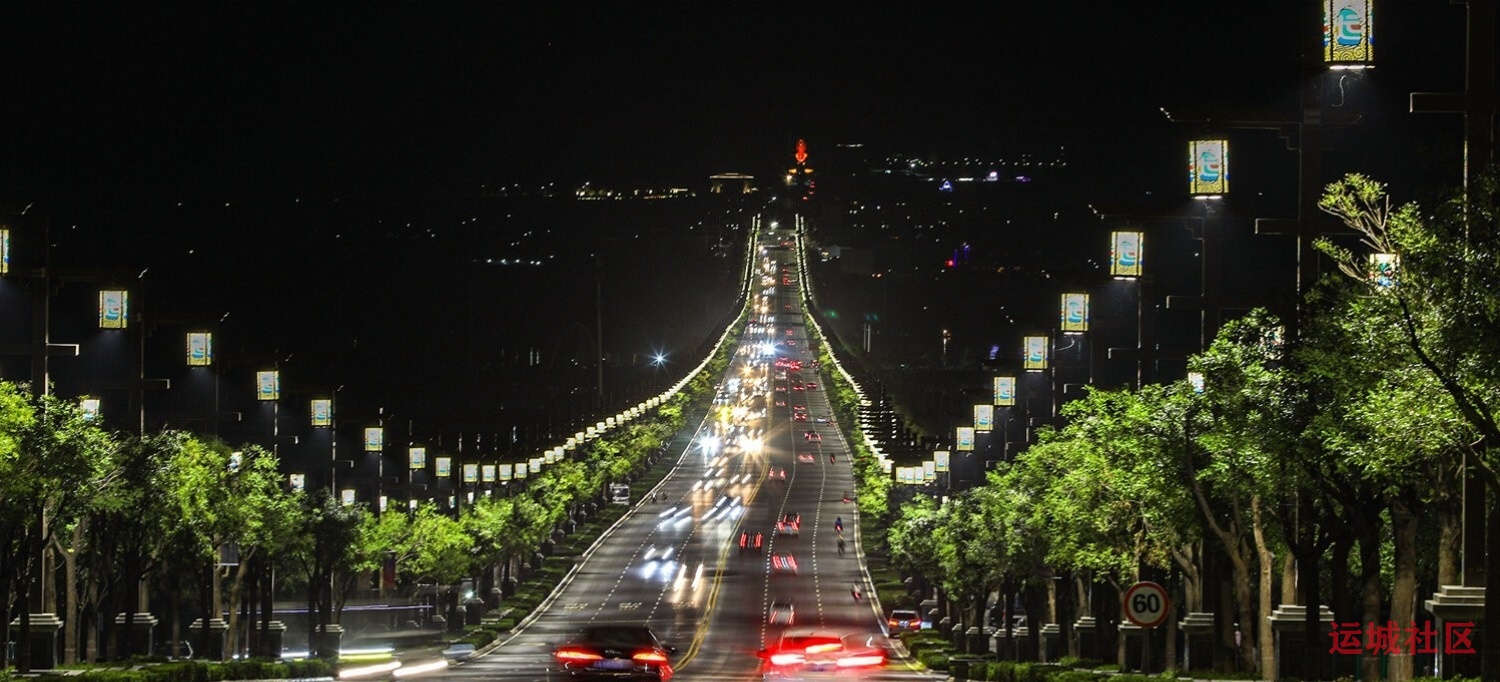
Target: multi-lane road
(674, 563)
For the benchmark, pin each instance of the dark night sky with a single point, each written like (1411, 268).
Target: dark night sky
(130, 100)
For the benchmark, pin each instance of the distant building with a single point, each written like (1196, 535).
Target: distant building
(731, 183)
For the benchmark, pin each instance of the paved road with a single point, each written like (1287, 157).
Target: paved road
(676, 565)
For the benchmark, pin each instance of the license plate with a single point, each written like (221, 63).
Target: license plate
(615, 664)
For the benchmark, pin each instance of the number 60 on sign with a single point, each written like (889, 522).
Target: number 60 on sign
(1147, 605)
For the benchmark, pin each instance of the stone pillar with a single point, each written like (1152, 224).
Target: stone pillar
(1457, 604)
(1198, 641)
(216, 639)
(945, 626)
(973, 641)
(1292, 646)
(46, 640)
(1051, 642)
(140, 630)
(274, 642)
(1133, 646)
(1022, 641)
(1087, 632)
(330, 641)
(473, 610)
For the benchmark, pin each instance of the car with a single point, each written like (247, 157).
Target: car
(806, 653)
(792, 517)
(805, 457)
(783, 563)
(904, 619)
(780, 402)
(822, 419)
(789, 529)
(816, 438)
(812, 385)
(799, 417)
(614, 652)
(783, 612)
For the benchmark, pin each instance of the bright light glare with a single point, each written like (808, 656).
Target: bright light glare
(419, 668)
(369, 670)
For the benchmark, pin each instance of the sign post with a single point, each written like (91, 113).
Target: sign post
(1147, 605)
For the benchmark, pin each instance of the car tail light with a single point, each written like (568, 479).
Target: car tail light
(892, 622)
(860, 661)
(577, 655)
(650, 657)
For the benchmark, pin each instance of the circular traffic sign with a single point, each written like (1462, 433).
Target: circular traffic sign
(1147, 604)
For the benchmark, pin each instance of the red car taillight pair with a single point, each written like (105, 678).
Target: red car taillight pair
(585, 656)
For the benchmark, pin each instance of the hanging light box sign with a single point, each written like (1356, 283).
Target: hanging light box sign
(1383, 269)
(200, 349)
(444, 467)
(4, 251)
(1005, 391)
(471, 473)
(965, 439)
(268, 385)
(1208, 168)
(1125, 252)
(1195, 379)
(114, 309)
(521, 471)
(487, 472)
(506, 473)
(929, 471)
(535, 465)
(416, 458)
(298, 482)
(1348, 34)
(984, 417)
(374, 439)
(1036, 353)
(90, 407)
(1075, 313)
(322, 412)
(940, 460)
(347, 496)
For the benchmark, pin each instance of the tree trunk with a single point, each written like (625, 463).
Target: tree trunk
(1264, 638)
(236, 587)
(71, 614)
(1404, 590)
(1370, 597)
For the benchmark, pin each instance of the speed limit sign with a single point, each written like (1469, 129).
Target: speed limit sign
(1147, 604)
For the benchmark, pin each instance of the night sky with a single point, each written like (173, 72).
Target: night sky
(129, 102)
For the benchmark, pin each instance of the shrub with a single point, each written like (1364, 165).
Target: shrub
(936, 659)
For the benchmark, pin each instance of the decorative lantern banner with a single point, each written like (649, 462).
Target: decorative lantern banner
(322, 412)
(471, 473)
(444, 467)
(506, 473)
(1005, 391)
(929, 471)
(1125, 253)
(521, 471)
(535, 465)
(940, 460)
(374, 438)
(297, 481)
(200, 349)
(348, 496)
(1383, 268)
(90, 407)
(268, 385)
(487, 473)
(1208, 168)
(965, 439)
(1075, 313)
(1195, 379)
(1348, 34)
(984, 417)
(416, 458)
(114, 309)
(1036, 353)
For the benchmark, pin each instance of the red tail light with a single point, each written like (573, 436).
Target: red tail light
(650, 657)
(892, 622)
(571, 654)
